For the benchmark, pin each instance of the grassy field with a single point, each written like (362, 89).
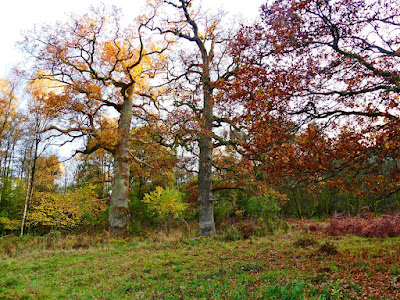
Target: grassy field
(294, 265)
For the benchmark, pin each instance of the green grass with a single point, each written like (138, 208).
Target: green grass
(273, 267)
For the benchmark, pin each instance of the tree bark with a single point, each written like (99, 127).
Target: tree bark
(31, 182)
(206, 205)
(205, 199)
(119, 206)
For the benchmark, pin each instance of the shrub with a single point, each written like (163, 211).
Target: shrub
(141, 215)
(387, 226)
(262, 207)
(314, 227)
(232, 233)
(306, 241)
(223, 209)
(355, 226)
(328, 248)
(65, 210)
(165, 204)
(246, 228)
(11, 225)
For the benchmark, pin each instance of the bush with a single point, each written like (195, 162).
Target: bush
(262, 207)
(11, 225)
(387, 226)
(165, 204)
(305, 242)
(223, 209)
(328, 248)
(232, 233)
(67, 210)
(140, 213)
(246, 229)
(243, 229)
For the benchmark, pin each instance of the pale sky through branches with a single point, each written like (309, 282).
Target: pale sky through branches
(17, 16)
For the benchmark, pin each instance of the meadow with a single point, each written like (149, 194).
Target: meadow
(297, 264)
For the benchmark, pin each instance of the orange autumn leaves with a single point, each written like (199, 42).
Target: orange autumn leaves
(82, 79)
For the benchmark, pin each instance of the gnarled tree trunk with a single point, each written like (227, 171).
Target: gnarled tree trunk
(119, 206)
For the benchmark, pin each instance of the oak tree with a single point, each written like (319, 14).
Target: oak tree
(199, 60)
(323, 78)
(103, 75)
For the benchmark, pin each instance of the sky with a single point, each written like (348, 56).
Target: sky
(17, 16)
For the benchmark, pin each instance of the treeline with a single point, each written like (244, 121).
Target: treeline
(178, 118)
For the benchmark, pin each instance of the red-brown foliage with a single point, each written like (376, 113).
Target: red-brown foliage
(322, 78)
(246, 228)
(386, 226)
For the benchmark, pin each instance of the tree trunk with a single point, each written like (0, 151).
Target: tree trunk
(4, 177)
(119, 206)
(31, 182)
(206, 205)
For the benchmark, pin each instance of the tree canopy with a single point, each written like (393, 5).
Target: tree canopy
(296, 114)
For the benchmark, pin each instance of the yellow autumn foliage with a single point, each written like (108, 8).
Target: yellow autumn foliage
(65, 210)
(8, 102)
(47, 171)
(8, 224)
(166, 204)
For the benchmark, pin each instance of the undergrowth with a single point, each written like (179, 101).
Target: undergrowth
(385, 226)
(367, 226)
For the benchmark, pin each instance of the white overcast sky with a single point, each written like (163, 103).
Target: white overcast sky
(19, 15)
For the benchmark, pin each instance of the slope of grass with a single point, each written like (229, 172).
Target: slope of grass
(289, 266)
